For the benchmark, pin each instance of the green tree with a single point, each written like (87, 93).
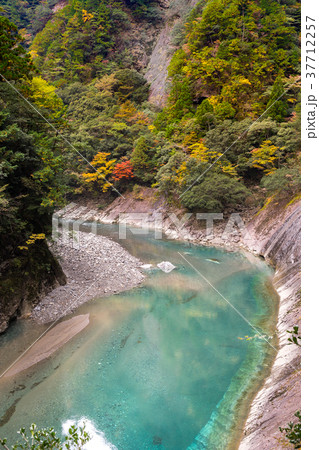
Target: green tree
(284, 181)
(167, 175)
(205, 115)
(233, 50)
(277, 103)
(215, 193)
(15, 63)
(130, 85)
(32, 170)
(140, 160)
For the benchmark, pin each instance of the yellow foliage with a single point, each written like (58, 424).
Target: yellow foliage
(33, 54)
(127, 111)
(32, 239)
(189, 139)
(229, 169)
(213, 100)
(200, 152)
(43, 94)
(264, 157)
(181, 173)
(103, 168)
(106, 83)
(242, 80)
(141, 118)
(86, 16)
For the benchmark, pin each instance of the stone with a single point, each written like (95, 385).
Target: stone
(166, 266)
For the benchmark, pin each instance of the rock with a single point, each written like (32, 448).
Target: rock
(146, 266)
(166, 266)
(93, 275)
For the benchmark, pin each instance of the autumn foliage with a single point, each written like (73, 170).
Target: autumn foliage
(103, 168)
(123, 170)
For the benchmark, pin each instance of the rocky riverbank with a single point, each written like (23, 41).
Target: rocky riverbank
(275, 233)
(94, 266)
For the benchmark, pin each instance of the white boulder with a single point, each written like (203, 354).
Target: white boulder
(146, 266)
(166, 266)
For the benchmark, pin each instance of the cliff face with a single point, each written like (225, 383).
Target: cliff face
(274, 233)
(24, 280)
(156, 71)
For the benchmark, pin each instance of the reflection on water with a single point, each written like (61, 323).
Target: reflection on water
(159, 367)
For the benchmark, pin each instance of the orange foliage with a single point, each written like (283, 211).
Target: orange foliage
(123, 170)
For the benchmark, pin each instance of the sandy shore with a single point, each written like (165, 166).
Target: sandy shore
(50, 343)
(95, 266)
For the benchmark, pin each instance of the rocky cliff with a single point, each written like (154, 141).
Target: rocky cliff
(25, 280)
(275, 234)
(176, 12)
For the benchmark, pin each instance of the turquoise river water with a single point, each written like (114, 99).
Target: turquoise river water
(166, 365)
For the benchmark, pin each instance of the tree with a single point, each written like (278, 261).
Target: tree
(32, 173)
(32, 177)
(264, 158)
(123, 171)
(284, 181)
(167, 176)
(43, 95)
(142, 161)
(130, 85)
(232, 50)
(15, 63)
(103, 168)
(205, 115)
(46, 438)
(277, 103)
(215, 193)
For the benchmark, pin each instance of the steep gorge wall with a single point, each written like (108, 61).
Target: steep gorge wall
(275, 234)
(156, 71)
(25, 280)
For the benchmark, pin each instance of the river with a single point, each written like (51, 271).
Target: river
(170, 365)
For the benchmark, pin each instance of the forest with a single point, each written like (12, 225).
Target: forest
(76, 121)
(233, 60)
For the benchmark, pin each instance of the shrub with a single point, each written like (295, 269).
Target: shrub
(215, 193)
(47, 438)
(130, 85)
(285, 181)
(293, 431)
